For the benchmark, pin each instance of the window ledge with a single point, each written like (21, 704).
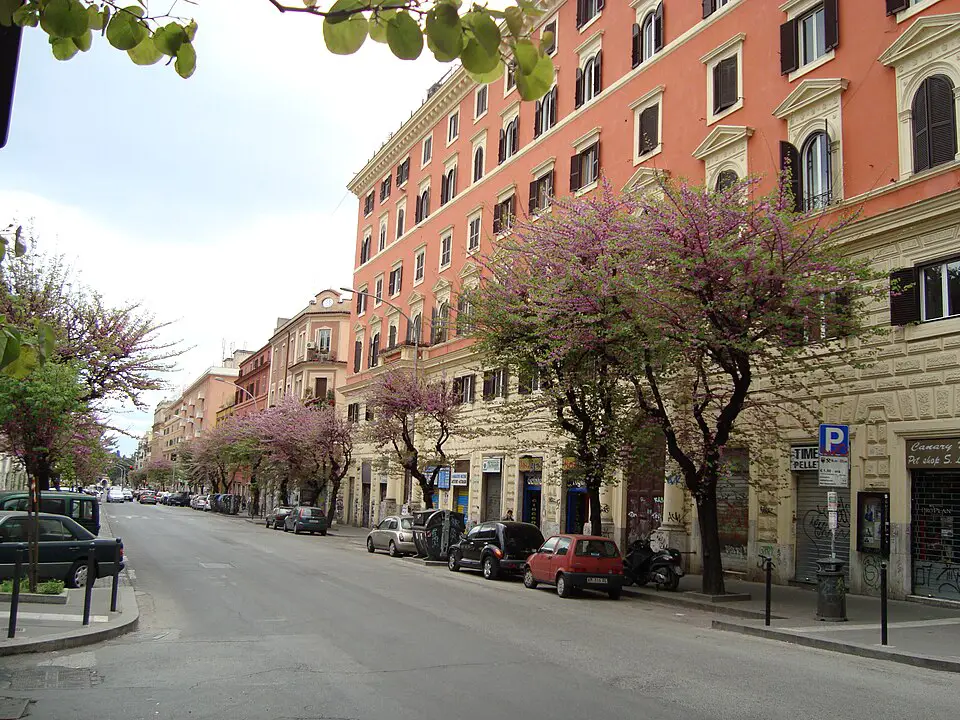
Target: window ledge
(932, 328)
(453, 140)
(583, 28)
(444, 267)
(952, 165)
(723, 113)
(587, 188)
(648, 155)
(471, 253)
(914, 10)
(819, 62)
(481, 115)
(418, 282)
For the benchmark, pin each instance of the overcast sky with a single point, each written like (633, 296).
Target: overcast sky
(219, 201)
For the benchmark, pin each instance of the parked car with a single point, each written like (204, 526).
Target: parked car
(496, 548)
(197, 502)
(64, 545)
(127, 494)
(115, 494)
(306, 519)
(393, 534)
(148, 498)
(80, 507)
(179, 499)
(573, 562)
(276, 516)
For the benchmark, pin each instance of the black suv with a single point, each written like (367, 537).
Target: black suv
(179, 499)
(496, 547)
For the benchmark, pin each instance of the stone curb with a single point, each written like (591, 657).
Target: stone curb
(876, 653)
(78, 638)
(674, 600)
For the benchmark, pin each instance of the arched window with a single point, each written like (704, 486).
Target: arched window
(478, 163)
(815, 160)
(365, 249)
(726, 180)
(413, 330)
(441, 327)
(590, 86)
(647, 38)
(383, 236)
(464, 326)
(401, 217)
(934, 123)
(392, 337)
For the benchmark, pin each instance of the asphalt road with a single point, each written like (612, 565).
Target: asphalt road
(243, 622)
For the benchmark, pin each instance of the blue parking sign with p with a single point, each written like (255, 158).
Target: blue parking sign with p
(835, 440)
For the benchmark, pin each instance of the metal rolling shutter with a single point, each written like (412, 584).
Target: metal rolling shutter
(813, 530)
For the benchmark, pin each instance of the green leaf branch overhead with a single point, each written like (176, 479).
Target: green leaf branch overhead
(482, 39)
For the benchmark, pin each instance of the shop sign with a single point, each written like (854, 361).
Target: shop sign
(531, 464)
(460, 479)
(937, 453)
(804, 458)
(533, 480)
(492, 465)
(443, 477)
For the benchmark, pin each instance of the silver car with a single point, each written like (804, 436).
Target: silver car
(395, 535)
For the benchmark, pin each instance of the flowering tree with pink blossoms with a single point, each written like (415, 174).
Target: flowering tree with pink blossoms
(159, 471)
(724, 313)
(416, 417)
(312, 445)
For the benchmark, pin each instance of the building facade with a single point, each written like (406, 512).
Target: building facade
(860, 100)
(309, 351)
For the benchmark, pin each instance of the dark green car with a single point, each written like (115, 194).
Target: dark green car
(64, 545)
(306, 519)
(83, 508)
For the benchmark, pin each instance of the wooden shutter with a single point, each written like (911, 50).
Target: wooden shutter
(635, 56)
(444, 194)
(707, 7)
(649, 130)
(501, 153)
(598, 73)
(579, 92)
(458, 389)
(726, 76)
(941, 114)
(497, 212)
(895, 6)
(488, 379)
(658, 28)
(921, 129)
(580, 4)
(453, 183)
(789, 55)
(515, 139)
(574, 173)
(596, 161)
(399, 278)
(790, 160)
(511, 211)
(537, 125)
(357, 355)
(553, 107)
(904, 296)
(533, 206)
(831, 24)
(599, 5)
(433, 326)
(426, 203)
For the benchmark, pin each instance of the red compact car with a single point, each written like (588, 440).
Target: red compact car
(577, 561)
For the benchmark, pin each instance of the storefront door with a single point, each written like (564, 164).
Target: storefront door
(935, 516)
(531, 497)
(577, 508)
(813, 528)
(462, 501)
(492, 492)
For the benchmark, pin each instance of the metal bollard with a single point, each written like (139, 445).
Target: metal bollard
(768, 570)
(15, 592)
(883, 603)
(91, 579)
(116, 578)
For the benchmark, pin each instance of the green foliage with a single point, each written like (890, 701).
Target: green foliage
(21, 349)
(483, 40)
(50, 587)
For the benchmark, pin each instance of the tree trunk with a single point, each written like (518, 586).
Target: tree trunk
(710, 538)
(332, 501)
(284, 492)
(596, 519)
(427, 491)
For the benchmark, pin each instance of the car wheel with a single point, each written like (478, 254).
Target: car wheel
(392, 549)
(672, 582)
(491, 568)
(528, 579)
(323, 533)
(267, 523)
(453, 563)
(563, 587)
(614, 594)
(370, 547)
(77, 577)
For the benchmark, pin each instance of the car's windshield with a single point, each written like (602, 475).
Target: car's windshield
(597, 548)
(308, 512)
(406, 523)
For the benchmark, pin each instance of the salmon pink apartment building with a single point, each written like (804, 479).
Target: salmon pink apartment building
(859, 97)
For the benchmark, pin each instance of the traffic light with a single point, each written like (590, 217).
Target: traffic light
(9, 53)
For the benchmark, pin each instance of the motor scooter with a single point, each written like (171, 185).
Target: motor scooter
(643, 565)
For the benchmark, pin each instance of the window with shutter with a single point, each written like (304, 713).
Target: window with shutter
(658, 29)
(401, 217)
(419, 262)
(598, 73)
(725, 91)
(538, 107)
(357, 355)
(515, 139)
(496, 219)
(816, 171)
(478, 163)
(579, 89)
(501, 152)
(790, 162)
(575, 173)
(934, 123)
(788, 47)
(904, 296)
(473, 233)
(550, 27)
(635, 52)
(480, 103)
(649, 129)
(895, 6)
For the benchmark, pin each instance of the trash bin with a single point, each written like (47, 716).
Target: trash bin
(434, 531)
(831, 591)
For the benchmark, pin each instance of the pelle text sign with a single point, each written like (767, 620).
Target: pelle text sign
(934, 453)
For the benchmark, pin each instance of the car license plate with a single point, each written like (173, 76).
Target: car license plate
(597, 580)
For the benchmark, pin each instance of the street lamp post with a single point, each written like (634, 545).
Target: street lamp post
(416, 355)
(241, 388)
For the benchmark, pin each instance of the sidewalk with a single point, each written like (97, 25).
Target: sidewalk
(42, 627)
(918, 634)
